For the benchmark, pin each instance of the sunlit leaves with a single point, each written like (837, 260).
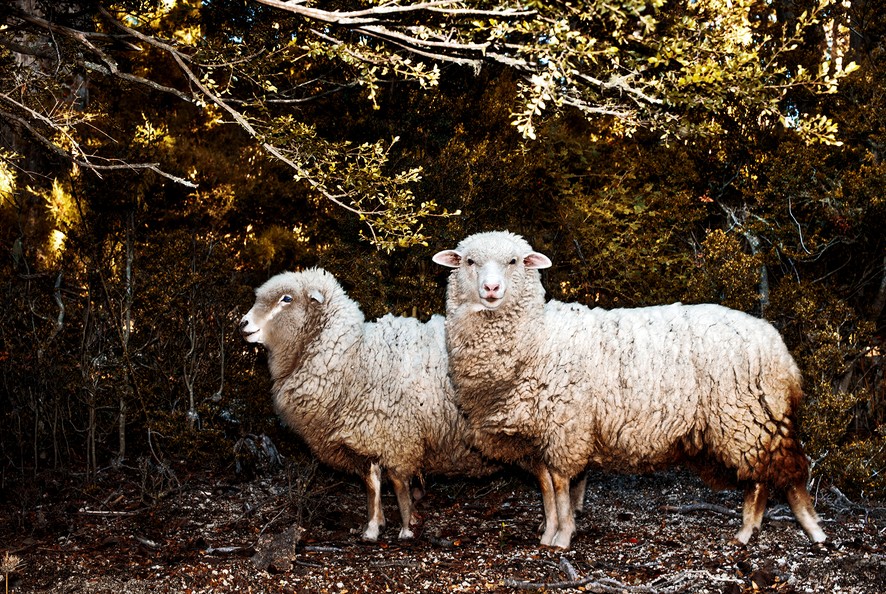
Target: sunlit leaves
(683, 69)
(358, 179)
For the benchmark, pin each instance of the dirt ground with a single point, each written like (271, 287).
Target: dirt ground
(665, 532)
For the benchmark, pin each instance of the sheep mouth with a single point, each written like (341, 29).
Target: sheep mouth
(249, 336)
(491, 302)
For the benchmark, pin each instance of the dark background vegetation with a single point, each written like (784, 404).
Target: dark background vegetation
(122, 292)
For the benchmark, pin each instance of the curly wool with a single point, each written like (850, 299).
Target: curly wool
(361, 393)
(627, 389)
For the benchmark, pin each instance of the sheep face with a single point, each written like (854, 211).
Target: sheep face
(279, 297)
(487, 264)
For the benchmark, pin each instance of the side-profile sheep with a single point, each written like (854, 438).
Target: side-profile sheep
(364, 396)
(568, 387)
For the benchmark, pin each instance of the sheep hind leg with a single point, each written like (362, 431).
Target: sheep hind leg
(549, 503)
(801, 505)
(565, 515)
(755, 496)
(577, 493)
(373, 503)
(404, 502)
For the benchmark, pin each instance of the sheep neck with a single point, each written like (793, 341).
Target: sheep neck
(490, 350)
(300, 369)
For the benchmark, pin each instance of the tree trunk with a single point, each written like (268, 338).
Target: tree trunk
(127, 331)
(880, 299)
(754, 242)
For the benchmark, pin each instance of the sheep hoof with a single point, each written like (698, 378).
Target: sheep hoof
(371, 533)
(562, 541)
(821, 548)
(547, 539)
(743, 537)
(817, 535)
(406, 533)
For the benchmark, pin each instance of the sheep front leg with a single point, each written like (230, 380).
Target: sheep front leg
(373, 503)
(404, 501)
(565, 517)
(549, 503)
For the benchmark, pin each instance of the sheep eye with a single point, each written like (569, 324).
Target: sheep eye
(513, 261)
(470, 262)
(286, 299)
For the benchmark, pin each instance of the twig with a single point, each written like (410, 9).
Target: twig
(301, 563)
(154, 546)
(407, 563)
(372, 15)
(849, 505)
(229, 550)
(842, 498)
(568, 569)
(322, 549)
(663, 584)
(590, 584)
(101, 512)
(693, 507)
(85, 164)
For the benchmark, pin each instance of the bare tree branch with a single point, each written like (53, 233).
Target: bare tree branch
(371, 15)
(84, 162)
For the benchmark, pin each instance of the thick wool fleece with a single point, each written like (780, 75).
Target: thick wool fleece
(567, 387)
(360, 393)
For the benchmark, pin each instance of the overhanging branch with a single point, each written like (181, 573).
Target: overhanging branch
(374, 14)
(85, 162)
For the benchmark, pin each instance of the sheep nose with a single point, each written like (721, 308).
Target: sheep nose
(491, 287)
(242, 325)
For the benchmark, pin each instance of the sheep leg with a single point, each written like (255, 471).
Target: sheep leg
(373, 503)
(404, 501)
(549, 503)
(801, 505)
(755, 496)
(565, 517)
(578, 493)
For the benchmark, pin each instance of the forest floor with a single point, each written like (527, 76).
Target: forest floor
(664, 532)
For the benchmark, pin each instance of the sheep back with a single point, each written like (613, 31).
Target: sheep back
(637, 389)
(361, 392)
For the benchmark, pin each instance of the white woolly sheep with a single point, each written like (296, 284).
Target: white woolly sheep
(568, 387)
(364, 396)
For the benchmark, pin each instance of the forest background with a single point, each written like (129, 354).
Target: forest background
(160, 159)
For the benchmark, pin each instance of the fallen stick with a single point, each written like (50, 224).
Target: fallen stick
(146, 542)
(229, 550)
(590, 584)
(693, 507)
(567, 568)
(777, 513)
(102, 512)
(322, 549)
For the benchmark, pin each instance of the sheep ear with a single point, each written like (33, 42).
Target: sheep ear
(450, 258)
(316, 295)
(536, 260)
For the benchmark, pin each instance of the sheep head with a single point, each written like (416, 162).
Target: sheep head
(283, 304)
(487, 264)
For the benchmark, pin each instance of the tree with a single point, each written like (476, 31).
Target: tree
(162, 159)
(680, 69)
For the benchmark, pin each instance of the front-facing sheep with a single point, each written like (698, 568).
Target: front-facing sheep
(364, 396)
(567, 387)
